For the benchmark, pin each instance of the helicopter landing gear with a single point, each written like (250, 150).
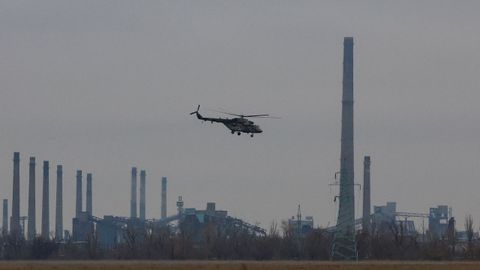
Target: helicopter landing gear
(251, 135)
(239, 133)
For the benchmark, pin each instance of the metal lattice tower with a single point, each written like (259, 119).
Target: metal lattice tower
(344, 245)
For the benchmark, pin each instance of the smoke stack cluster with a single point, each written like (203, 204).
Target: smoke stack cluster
(164, 198)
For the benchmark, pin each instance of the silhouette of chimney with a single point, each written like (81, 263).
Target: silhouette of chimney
(164, 198)
(46, 202)
(5, 217)
(15, 221)
(133, 194)
(142, 194)
(78, 201)
(89, 194)
(366, 195)
(31, 201)
(59, 205)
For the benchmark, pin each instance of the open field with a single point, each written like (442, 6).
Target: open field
(234, 265)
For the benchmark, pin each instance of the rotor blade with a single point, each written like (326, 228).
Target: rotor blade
(270, 117)
(256, 115)
(234, 114)
(263, 115)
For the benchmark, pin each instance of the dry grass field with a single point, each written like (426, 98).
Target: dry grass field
(235, 265)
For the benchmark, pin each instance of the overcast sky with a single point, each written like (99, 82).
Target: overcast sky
(106, 85)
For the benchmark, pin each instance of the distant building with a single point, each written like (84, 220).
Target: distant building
(385, 218)
(301, 227)
(83, 227)
(384, 215)
(438, 221)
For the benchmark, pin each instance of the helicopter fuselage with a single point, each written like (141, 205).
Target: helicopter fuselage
(239, 125)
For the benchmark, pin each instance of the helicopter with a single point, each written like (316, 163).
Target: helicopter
(239, 124)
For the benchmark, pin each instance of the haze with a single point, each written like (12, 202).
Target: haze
(106, 85)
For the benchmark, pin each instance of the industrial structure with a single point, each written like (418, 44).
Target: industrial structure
(31, 200)
(59, 205)
(366, 219)
(163, 205)
(133, 194)
(46, 202)
(89, 205)
(110, 230)
(15, 219)
(5, 217)
(344, 246)
(143, 176)
(300, 227)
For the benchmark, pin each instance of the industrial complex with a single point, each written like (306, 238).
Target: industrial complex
(111, 230)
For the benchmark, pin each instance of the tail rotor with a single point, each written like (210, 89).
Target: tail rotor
(195, 112)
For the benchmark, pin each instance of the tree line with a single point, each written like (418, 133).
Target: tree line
(213, 242)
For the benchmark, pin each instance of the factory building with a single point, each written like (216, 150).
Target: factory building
(301, 227)
(195, 222)
(439, 220)
(386, 216)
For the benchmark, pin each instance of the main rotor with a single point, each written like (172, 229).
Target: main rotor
(263, 115)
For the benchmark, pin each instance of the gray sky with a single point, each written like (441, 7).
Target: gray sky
(105, 85)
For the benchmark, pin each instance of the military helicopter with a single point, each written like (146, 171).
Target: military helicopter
(239, 124)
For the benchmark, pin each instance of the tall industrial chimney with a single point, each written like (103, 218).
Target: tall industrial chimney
(15, 221)
(133, 194)
(142, 194)
(5, 217)
(59, 205)
(344, 247)
(45, 202)
(164, 198)
(31, 201)
(366, 195)
(78, 201)
(89, 194)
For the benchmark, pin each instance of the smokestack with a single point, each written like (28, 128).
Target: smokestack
(46, 202)
(366, 195)
(89, 194)
(142, 194)
(164, 198)
(15, 226)
(344, 246)
(78, 201)
(31, 200)
(133, 194)
(5, 217)
(59, 205)
(180, 205)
